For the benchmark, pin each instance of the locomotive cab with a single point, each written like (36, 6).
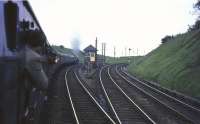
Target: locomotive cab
(9, 62)
(19, 27)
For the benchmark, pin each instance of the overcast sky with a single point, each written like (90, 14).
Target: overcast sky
(135, 24)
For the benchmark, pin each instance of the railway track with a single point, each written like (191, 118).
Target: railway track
(99, 95)
(193, 103)
(86, 109)
(187, 112)
(58, 109)
(128, 101)
(157, 110)
(126, 111)
(69, 102)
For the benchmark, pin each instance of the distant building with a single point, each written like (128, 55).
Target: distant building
(90, 55)
(91, 58)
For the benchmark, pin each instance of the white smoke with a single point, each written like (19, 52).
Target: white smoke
(75, 45)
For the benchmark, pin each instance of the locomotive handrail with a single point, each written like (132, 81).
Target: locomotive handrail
(30, 10)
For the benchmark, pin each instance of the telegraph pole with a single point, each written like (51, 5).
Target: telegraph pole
(96, 51)
(129, 52)
(105, 52)
(114, 52)
(133, 58)
(125, 51)
(102, 52)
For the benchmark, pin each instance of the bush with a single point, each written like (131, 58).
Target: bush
(167, 38)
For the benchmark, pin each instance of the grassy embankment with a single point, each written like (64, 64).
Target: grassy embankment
(174, 64)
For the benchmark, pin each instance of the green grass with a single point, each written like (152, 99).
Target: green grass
(112, 60)
(175, 64)
(127, 60)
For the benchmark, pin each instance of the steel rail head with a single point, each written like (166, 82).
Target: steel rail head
(107, 97)
(69, 95)
(151, 96)
(130, 100)
(93, 99)
(185, 104)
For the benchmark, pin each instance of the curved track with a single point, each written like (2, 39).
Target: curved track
(119, 99)
(178, 108)
(188, 101)
(126, 111)
(58, 109)
(85, 108)
(99, 94)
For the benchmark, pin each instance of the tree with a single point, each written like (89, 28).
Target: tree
(197, 8)
(62, 47)
(196, 26)
(197, 5)
(167, 38)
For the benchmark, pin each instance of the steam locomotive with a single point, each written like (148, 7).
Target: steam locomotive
(19, 27)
